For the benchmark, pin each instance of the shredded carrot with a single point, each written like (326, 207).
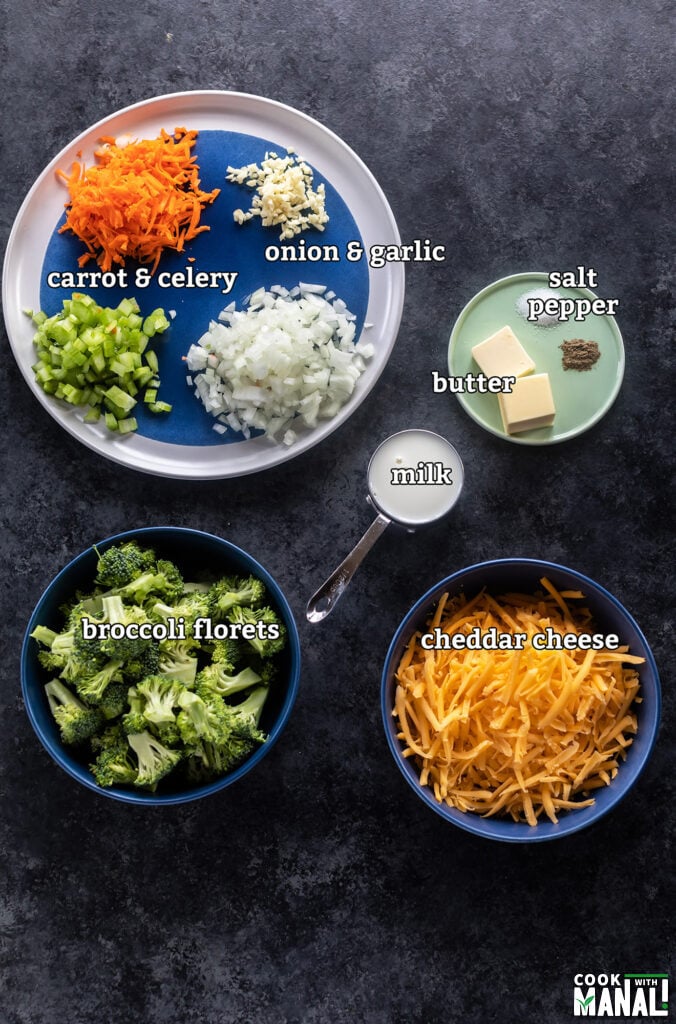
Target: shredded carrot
(521, 732)
(138, 200)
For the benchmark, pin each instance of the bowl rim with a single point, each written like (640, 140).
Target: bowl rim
(79, 771)
(491, 828)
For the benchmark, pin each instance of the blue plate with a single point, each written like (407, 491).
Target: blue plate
(227, 246)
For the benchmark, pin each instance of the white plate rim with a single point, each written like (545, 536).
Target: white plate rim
(376, 223)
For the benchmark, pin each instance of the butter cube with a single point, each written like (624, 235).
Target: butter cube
(528, 405)
(503, 355)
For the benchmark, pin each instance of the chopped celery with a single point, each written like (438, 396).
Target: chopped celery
(126, 426)
(89, 355)
(128, 306)
(143, 375)
(116, 396)
(151, 360)
(157, 321)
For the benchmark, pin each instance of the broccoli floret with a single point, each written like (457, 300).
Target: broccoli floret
(88, 651)
(92, 688)
(114, 766)
(116, 613)
(122, 563)
(270, 638)
(196, 720)
(198, 771)
(190, 607)
(236, 732)
(64, 644)
(138, 656)
(134, 720)
(227, 653)
(76, 722)
(111, 736)
(163, 583)
(211, 760)
(145, 663)
(154, 760)
(215, 679)
(234, 591)
(268, 671)
(168, 734)
(187, 648)
(176, 662)
(244, 717)
(113, 703)
(173, 580)
(196, 588)
(44, 636)
(161, 696)
(52, 662)
(61, 656)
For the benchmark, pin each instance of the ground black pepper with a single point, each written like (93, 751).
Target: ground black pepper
(579, 354)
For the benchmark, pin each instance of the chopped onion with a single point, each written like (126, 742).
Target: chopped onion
(311, 289)
(289, 358)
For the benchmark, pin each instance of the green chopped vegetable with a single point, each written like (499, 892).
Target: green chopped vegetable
(91, 355)
(141, 703)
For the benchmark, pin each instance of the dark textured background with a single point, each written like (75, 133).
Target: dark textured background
(522, 135)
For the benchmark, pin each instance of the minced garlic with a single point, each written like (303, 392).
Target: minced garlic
(284, 194)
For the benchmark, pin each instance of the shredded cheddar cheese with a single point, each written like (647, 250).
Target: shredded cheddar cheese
(520, 732)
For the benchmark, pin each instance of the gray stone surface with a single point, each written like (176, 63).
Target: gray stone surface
(522, 135)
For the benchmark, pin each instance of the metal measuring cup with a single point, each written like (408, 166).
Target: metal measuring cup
(409, 496)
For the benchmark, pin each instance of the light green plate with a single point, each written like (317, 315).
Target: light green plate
(581, 397)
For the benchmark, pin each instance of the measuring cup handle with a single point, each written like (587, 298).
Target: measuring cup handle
(325, 599)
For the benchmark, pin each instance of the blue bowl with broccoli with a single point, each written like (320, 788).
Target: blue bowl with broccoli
(160, 665)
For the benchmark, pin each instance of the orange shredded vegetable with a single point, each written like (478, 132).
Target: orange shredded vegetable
(138, 200)
(520, 732)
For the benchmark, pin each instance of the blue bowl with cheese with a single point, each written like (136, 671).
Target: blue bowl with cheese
(523, 575)
(200, 556)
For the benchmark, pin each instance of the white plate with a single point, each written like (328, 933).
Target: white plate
(221, 111)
